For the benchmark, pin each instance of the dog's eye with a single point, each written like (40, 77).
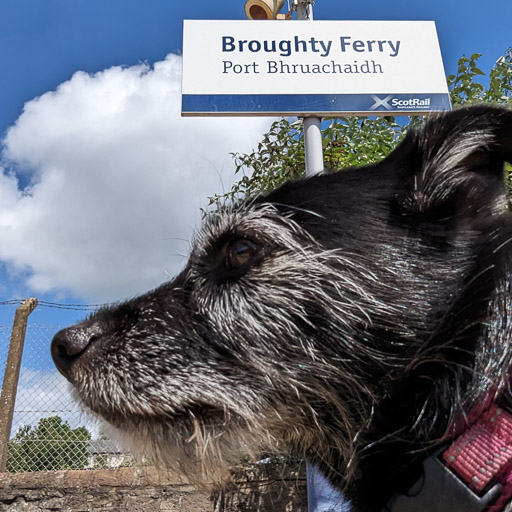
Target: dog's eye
(240, 252)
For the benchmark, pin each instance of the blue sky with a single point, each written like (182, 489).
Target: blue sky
(76, 228)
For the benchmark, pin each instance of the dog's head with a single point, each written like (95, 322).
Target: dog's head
(351, 308)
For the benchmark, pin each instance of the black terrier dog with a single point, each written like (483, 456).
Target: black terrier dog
(362, 318)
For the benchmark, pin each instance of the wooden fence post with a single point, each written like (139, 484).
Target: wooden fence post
(11, 375)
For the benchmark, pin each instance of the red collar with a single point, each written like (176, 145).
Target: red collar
(482, 456)
(472, 475)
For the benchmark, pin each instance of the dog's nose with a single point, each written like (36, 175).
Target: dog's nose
(69, 344)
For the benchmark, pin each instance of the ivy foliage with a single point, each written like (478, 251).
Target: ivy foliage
(356, 140)
(464, 88)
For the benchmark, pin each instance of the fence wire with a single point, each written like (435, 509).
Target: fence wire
(49, 431)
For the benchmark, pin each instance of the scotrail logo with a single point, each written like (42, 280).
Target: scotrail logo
(379, 102)
(392, 103)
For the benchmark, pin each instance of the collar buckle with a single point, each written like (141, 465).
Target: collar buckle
(440, 489)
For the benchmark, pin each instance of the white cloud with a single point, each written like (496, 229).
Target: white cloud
(116, 180)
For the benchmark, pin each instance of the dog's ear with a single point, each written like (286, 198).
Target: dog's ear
(458, 154)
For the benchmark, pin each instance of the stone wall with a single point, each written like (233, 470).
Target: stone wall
(258, 488)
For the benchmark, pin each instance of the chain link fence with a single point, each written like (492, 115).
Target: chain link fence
(49, 431)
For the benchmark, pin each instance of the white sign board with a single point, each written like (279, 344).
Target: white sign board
(321, 68)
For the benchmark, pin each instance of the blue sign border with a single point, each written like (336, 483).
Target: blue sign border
(304, 104)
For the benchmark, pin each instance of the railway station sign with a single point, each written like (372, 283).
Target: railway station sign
(320, 68)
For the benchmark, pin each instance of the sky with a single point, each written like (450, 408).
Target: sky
(101, 179)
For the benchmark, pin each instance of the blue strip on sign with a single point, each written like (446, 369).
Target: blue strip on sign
(313, 103)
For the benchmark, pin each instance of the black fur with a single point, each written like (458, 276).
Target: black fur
(358, 316)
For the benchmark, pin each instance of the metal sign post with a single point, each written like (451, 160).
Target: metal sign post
(312, 125)
(313, 149)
